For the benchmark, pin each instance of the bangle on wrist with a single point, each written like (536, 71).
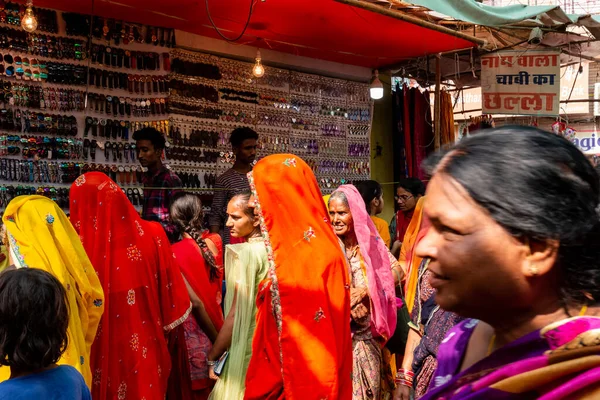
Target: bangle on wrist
(404, 382)
(405, 377)
(211, 363)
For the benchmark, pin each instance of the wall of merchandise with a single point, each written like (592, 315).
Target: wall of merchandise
(325, 121)
(51, 132)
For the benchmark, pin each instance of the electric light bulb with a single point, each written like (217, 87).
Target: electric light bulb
(376, 88)
(376, 93)
(258, 70)
(29, 21)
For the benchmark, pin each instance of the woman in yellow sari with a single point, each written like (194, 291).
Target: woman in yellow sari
(41, 236)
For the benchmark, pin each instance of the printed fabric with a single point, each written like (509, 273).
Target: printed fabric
(158, 192)
(302, 346)
(378, 266)
(41, 236)
(560, 361)
(146, 296)
(189, 378)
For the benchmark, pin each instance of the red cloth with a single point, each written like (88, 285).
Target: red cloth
(304, 310)
(407, 126)
(145, 295)
(264, 380)
(217, 283)
(189, 348)
(189, 379)
(196, 272)
(423, 138)
(416, 126)
(235, 240)
(402, 221)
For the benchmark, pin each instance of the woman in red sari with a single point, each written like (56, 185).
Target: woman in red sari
(145, 295)
(302, 348)
(197, 254)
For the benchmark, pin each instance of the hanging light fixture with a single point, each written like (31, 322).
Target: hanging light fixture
(258, 70)
(376, 89)
(29, 21)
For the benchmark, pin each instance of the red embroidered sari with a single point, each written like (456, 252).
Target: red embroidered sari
(190, 379)
(145, 295)
(302, 345)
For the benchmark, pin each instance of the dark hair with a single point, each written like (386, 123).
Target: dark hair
(186, 213)
(34, 317)
(238, 135)
(415, 186)
(369, 190)
(245, 198)
(538, 186)
(151, 134)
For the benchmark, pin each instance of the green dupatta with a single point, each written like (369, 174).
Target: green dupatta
(245, 267)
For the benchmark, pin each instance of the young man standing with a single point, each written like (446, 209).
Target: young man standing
(234, 180)
(158, 180)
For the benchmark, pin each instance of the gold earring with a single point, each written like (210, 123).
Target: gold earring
(534, 270)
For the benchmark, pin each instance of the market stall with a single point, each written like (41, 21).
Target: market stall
(77, 86)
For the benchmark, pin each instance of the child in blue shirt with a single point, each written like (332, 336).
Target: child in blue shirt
(34, 318)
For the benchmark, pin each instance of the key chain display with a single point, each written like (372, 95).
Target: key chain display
(70, 103)
(326, 121)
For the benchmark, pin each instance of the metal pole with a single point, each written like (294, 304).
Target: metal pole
(413, 20)
(438, 104)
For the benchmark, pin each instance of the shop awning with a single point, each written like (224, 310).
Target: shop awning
(482, 14)
(517, 14)
(322, 29)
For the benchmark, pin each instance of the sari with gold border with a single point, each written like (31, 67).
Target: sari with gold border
(302, 344)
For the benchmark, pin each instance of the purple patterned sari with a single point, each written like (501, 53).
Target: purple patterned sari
(560, 361)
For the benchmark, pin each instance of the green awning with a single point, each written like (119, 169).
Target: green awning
(481, 14)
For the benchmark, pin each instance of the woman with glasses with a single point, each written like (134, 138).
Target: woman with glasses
(408, 193)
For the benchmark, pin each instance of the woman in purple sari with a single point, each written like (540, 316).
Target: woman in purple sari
(514, 246)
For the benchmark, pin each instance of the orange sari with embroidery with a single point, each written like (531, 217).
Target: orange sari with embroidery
(145, 295)
(302, 348)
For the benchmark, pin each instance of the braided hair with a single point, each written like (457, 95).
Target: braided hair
(186, 214)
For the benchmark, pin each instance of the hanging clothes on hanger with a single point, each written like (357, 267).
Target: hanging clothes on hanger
(447, 131)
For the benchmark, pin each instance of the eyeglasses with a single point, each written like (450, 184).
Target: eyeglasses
(403, 199)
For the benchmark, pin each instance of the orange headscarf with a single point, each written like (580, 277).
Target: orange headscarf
(302, 343)
(409, 261)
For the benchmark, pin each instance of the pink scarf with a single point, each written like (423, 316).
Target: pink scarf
(379, 274)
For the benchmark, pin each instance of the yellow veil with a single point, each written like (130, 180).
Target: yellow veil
(41, 236)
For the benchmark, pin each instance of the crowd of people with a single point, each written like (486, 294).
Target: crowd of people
(483, 286)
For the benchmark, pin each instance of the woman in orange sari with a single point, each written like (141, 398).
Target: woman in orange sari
(199, 255)
(145, 295)
(302, 346)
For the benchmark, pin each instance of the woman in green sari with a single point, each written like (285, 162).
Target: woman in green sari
(245, 267)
